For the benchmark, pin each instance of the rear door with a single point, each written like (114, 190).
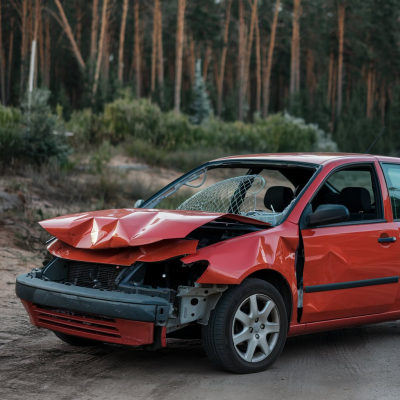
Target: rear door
(351, 269)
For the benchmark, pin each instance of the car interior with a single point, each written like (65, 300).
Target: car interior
(354, 188)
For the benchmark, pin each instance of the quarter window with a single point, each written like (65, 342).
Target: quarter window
(392, 176)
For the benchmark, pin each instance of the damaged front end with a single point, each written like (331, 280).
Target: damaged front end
(133, 294)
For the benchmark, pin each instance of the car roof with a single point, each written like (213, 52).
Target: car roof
(311, 158)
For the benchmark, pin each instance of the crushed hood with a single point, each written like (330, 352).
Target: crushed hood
(129, 227)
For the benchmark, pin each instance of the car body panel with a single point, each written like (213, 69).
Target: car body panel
(341, 250)
(111, 330)
(153, 252)
(129, 227)
(233, 260)
(338, 254)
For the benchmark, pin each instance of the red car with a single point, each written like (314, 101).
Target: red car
(244, 250)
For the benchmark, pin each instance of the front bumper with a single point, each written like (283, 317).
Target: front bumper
(108, 316)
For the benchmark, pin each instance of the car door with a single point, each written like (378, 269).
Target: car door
(351, 269)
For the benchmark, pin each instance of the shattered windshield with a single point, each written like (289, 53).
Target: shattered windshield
(264, 194)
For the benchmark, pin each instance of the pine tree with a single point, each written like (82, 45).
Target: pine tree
(200, 107)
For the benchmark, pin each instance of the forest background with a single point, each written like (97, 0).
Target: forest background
(174, 83)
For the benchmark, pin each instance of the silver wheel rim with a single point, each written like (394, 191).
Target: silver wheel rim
(255, 328)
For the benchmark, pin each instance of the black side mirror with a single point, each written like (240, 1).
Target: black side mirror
(328, 214)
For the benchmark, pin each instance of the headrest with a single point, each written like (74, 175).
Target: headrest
(331, 198)
(356, 199)
(279, 197)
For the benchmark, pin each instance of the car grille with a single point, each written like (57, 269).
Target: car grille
(97, 276)
(103, 328)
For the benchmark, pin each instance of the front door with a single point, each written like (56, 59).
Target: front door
(351, 269)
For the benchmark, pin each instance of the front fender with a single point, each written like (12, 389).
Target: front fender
(231, 261)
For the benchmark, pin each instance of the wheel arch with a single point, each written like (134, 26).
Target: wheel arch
(280, 283)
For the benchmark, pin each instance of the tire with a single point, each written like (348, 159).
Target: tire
(247, 330)
(76, 340)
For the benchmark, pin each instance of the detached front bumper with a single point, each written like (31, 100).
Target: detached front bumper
(107, 316)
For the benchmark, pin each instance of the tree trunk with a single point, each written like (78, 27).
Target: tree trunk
(220, 84)
(192, 60)
(24, 33)
(94, 30)
(137, 50)
(10, 59)
(41, 49)
(68, 31)
(383, 102)
(334, 86)
(79, 17)
(160, 63)
(370, 91)
(2, 64)
(48, 53)
(36, 28)
(122, 41)
(295, 49)
(258, 67)
(267, 77)
(249, 46)
(341, 15)
(179, 51)
(207, 59)
(330, 73)
(101, 45)
(310, 75)
(154, 47)
(241, 58)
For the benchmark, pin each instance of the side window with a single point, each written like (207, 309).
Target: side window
(349, 178)
(392, 176)
(355, 188)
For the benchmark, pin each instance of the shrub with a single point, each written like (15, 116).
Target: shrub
(41, 140)
(10, 134)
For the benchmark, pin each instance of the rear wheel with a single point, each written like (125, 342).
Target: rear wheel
(76, 340)
(247, 330)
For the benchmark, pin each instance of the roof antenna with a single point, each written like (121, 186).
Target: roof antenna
(372, 145)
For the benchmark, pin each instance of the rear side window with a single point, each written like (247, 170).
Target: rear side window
(392, 176)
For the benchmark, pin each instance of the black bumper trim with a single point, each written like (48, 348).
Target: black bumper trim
(92, 301)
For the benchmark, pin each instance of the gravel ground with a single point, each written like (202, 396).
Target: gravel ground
(361, 363)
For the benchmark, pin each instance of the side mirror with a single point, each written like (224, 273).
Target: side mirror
(138, 203)
(328, 214)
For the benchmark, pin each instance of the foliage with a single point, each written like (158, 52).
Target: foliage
(41, 139)
(355, 133)
(101, 157)
(200, 108)
(10, 134)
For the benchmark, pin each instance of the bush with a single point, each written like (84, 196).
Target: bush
(10, 135)
(41, 140)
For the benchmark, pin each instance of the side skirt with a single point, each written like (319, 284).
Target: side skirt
(322, 326)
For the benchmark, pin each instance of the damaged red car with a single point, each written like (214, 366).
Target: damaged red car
(244, 251)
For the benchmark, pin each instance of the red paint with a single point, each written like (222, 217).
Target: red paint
(154, 252)
(120, 331)
(110, 229)
(344, 254)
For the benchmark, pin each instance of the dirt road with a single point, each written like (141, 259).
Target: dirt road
(361, 363)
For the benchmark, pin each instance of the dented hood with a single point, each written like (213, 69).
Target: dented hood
(129, 227)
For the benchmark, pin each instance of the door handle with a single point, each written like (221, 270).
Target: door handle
(387, 240)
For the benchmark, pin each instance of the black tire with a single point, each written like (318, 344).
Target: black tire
(76, 340)
(218, 334)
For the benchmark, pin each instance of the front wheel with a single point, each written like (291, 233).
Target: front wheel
(247, 330)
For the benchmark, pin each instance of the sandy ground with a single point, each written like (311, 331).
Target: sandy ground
(361, 363)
